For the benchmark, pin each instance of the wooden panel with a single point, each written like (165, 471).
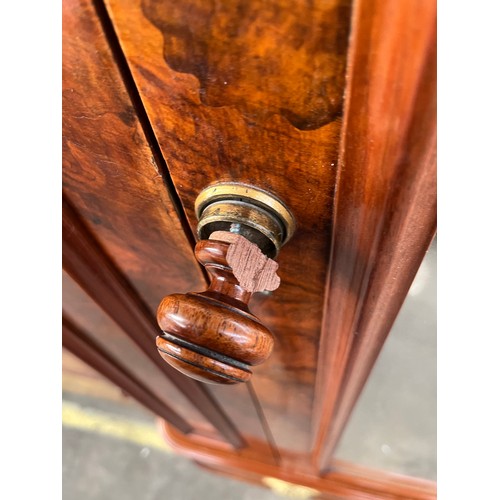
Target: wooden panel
(80, 345)
(86, 263)
(252, 92)
(79, 378)
(385, 202)
(91, 321)
(246, 410)
(346, 482)
(111, 176)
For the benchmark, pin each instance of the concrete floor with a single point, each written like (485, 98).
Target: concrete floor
(100, 466)
(111, 448)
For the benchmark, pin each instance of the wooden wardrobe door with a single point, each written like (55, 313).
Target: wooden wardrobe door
(123, 239)
(328, 105)
(253, 92)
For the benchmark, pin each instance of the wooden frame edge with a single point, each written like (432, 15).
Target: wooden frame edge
(346, 481)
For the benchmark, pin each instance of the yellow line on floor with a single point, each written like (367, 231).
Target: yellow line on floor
(87, 386)
(107, 424)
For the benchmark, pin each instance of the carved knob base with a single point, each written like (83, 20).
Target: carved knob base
(212, 336)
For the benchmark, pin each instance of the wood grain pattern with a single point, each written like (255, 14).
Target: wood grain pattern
(345, 482)
(252, 92)
(86, 263)
(80, 345)
(215, 137)
(212, 336)
(261, 57)
(111, 176)
(96, 325)
(385, 199)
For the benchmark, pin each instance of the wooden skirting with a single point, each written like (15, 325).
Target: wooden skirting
(345, 482)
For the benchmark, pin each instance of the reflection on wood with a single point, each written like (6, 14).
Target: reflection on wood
(212, 336)
(385, 203)
(292, 156)
(261, 57)
(111, 173)
(94, 272)
(112, 179)
(253, 92)
(91, 320)
(345, 482)
(81, 346)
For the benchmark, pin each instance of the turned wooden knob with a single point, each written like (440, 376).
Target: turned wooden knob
(212, 336)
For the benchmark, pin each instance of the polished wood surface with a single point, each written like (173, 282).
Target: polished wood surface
(89, 319)
(253, 92)
(385, 199)
(76, 342)
(111, 171)
(284, 145)
(87, 264)
(262, 58)
(112, 182)
(212, 336)
(345, 482)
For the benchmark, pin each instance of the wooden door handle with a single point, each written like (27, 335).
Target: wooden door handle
(212, 336)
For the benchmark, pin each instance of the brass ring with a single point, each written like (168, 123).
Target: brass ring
(251, 194)
(242, 212)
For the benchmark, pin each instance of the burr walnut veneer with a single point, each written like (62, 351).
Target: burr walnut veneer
(328, 106)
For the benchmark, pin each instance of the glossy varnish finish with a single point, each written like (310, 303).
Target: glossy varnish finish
(111, 173)
(385, 199)
(253, 92)
(284, 141)
(76, 342)
(212, 336)
(262, 58)
(345, 482)
(89, 319)
(112, 181)
(87, 264)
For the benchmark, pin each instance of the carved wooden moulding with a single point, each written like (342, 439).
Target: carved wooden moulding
(212, 336)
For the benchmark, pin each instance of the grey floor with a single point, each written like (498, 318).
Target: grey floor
(97, 466)
(393, 426)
